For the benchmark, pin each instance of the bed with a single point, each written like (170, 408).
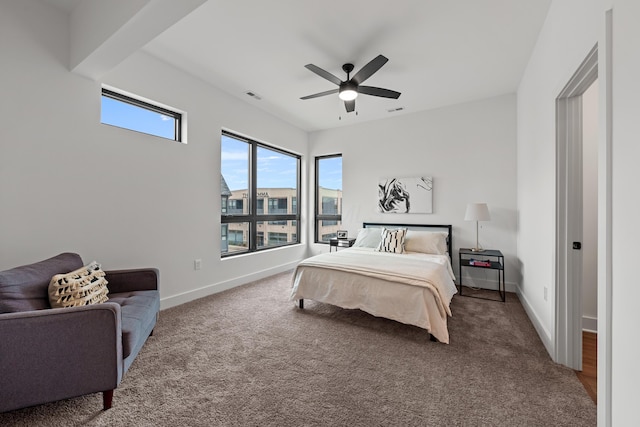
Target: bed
(396, 271)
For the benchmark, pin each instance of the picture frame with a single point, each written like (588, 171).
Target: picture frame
(342, 234)
(405, 195)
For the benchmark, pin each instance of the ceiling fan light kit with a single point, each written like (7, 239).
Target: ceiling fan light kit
(350, 88)
(348, 91)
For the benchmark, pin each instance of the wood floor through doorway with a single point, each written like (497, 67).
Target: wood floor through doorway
(589, 375)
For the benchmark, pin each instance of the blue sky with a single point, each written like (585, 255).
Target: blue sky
(275, 170)
(121, 114)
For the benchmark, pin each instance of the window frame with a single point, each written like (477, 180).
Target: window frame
(149, 106)
(317, 216)
(253, 217)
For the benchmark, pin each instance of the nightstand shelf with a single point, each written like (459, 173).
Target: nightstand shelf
(496, 262)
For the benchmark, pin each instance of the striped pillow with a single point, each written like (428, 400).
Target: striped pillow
(392, 240)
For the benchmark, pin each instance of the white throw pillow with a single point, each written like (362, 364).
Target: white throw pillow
(427, 242)
(368, 238)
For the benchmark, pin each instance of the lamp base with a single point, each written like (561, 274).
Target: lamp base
(477, 250)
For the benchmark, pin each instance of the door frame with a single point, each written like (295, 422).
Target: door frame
(568, 274)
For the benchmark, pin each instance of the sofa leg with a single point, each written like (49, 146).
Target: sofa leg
(107, 398)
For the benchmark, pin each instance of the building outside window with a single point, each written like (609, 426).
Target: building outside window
(254, 172)
(224, 193)
(328, 197)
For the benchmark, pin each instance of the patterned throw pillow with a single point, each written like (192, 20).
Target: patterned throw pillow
(392, 240)
(83, 286)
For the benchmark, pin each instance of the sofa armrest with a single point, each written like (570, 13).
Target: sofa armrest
(53, 354)
(141, 279)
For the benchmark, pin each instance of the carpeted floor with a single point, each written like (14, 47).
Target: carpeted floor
(250, 357)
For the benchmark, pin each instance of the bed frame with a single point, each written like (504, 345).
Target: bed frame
(416, 227)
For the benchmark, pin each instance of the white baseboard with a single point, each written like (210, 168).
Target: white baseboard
(543, 333)
(184, 297)
(590, 324)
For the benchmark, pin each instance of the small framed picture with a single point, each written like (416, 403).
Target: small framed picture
(342, 234)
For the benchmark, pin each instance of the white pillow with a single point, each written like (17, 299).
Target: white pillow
(368, 238)
(392, 240)
(427, 242)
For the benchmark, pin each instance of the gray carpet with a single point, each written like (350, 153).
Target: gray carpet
(249, 357)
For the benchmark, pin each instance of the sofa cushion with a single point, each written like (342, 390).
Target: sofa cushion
(83, 286)
(139, 310)
(26, 287)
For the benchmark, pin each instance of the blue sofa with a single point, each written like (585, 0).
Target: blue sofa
(49, 354)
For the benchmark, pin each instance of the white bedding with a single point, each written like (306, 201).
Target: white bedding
(412, 288)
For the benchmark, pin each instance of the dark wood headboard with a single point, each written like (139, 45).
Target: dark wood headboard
(418, 227)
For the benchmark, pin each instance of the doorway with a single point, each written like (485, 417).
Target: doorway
(570, 216)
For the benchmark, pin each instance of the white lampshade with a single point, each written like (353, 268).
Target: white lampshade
(477, 212)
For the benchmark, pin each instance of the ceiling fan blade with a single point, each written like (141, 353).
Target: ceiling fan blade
(316, 95)
(378, 91)
(350, 105)
(324, 74)
(367, 71)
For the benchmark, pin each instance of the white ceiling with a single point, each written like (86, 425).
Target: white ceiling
(440, 52)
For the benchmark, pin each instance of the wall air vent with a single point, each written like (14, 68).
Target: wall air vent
(254, 95)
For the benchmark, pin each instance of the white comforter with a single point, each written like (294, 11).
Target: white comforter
(411, 288)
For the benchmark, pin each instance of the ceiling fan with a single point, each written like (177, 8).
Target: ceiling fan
(349, 89)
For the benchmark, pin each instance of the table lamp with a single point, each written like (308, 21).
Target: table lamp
(477, 212)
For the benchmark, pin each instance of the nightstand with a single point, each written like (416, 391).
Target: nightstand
(490, 259)
(341, 243)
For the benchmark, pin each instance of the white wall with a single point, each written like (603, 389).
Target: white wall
(125, 199)
(569, 33)
(468, 149)
(625, 154)
(590, 208)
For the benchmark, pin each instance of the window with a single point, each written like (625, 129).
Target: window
(235, 237)
(139, 115)
(330, 204)
(224, 244)
(326, 237)
(328, 197)
(277, 238)
(235, 206)
(263, 189)
(278, 205)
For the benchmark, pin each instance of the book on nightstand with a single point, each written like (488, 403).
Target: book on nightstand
(479, 263)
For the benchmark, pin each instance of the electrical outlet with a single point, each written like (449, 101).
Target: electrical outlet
(545, 293)
(197, 264)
